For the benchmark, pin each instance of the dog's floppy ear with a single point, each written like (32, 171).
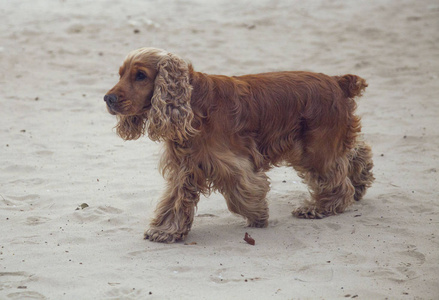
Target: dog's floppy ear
(170, 116)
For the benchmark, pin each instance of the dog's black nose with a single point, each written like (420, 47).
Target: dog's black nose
(110, 99)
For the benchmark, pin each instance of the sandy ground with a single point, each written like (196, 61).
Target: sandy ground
(58, 150)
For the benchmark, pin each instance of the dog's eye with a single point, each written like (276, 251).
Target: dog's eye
(140, 76)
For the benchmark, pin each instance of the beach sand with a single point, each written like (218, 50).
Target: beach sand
(58, 150)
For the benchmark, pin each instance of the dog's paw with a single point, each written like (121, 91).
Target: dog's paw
(257, 223)
(308, 212)
(155, 235)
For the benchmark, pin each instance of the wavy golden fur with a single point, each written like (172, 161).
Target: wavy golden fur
(223, 133)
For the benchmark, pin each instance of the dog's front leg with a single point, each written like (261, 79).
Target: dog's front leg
(175, 212)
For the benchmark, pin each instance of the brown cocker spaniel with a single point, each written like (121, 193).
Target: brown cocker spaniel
(223, 133)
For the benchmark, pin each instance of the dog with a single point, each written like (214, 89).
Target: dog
(224, 133)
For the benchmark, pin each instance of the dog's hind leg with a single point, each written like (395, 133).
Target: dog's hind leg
(360, 169)
(331, 193)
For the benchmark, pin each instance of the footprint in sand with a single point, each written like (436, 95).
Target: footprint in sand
(26, 295)
(17, 202)
(17, 282)
(120, 292)
(315, 273)
(36, 220)
(400, 267)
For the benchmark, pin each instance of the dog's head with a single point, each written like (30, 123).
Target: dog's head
(153, 93)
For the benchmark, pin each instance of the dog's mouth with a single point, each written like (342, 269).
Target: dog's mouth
(125, 108)
(111, 110)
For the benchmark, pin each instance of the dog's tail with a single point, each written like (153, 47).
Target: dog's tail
(352, 85)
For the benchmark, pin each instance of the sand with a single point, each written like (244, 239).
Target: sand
(58, 149)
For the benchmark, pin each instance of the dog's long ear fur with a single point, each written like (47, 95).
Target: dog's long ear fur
(170, 117)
